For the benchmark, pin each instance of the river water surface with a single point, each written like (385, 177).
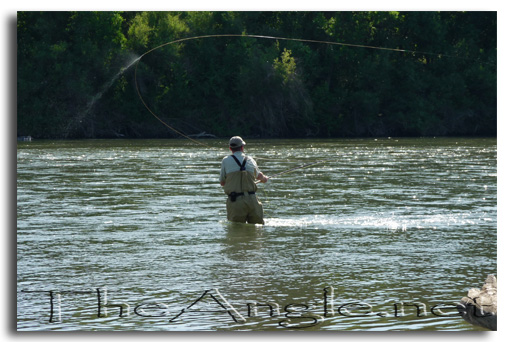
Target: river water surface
(131, 235)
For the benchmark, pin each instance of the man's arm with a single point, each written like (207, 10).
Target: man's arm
(262, 178)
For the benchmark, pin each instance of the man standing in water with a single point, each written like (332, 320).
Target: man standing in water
(238, 175)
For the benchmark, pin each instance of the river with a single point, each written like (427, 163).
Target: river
(383, 234)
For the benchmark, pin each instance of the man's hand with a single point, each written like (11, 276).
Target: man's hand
(262, 178)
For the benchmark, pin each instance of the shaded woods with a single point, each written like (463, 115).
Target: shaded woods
(74, 79)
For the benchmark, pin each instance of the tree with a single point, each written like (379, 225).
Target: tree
(394, 73)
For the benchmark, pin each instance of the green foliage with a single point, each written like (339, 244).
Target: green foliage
(72, 83)
(285, 65)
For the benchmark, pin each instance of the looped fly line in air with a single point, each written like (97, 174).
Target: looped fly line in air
(259, 37)
(250, 36)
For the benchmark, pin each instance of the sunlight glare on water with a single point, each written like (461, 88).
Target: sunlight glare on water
(139, 226)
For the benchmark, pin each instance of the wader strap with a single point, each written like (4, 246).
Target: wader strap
(241, 166)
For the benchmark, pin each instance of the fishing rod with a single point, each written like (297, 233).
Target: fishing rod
(138, 60)
(246, 36)
(303, 166)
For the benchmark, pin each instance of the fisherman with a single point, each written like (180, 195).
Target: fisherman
(238, 175)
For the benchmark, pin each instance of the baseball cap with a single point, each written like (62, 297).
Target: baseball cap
(236, 141)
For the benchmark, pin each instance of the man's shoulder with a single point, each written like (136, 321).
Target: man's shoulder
(227, 159)
(240, 155)
(250, 158)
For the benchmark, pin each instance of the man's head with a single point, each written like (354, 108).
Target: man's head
(236, 144)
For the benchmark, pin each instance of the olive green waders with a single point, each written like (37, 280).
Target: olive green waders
(242, 203)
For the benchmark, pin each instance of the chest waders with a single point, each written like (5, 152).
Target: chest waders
(242, 203)
(240, 183)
